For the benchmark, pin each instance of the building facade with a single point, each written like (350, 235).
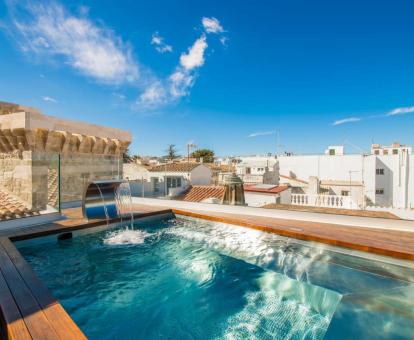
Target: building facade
(168, 179)
(380, 179)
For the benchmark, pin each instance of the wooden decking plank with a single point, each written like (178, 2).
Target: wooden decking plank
(63, 324)
(55, 228)
(14, 326)
(34, 318)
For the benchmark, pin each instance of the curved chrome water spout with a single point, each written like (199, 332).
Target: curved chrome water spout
(124, 200)
(107, 199)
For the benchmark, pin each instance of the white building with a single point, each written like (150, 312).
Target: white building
(135, 171)
(378, 180)
(251, 169)
(259, 195)
(335, 150)
(394, 149)
(166, 179)
(382, 179)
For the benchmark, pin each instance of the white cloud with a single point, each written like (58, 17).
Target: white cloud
(179, 82)
(153, 96)
(158, 93)
(49, 99)
(159, 43)
(223, 41)
(394, 112)
(212, 25)
(195, 56)
(346, 120)
(262, 133)
(119, 96)
(47, 29)
(401, 111)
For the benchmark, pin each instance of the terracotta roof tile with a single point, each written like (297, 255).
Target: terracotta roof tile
(220, 168)
(11, 207)
(199, 193)
(52, 184)
(175, 167)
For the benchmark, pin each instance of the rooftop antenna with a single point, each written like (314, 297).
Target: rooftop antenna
(278, 145)
(354, 146)
(190, 146)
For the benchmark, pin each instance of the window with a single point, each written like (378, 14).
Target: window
(376, 152)
(332, 152)
(395, 151)
(173, 182)
(385, 152)
(380, 171)
(379, 192)
(345, 193)
(155, 183)
(248, 171)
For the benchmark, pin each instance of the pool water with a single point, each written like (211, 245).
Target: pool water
(186, 278)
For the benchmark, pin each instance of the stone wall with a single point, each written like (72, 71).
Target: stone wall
(78, 170)
(30, 145)
(43, 164)
(29, 175)
(16, 174)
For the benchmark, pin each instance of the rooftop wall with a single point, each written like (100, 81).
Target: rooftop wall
(30, 144)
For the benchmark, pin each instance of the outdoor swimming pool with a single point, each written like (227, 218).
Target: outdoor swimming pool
(187, 278)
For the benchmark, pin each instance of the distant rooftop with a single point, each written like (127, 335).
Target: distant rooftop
(175, 167)
(394, 148)
(199, 193)
(393, 145)
(265, 188)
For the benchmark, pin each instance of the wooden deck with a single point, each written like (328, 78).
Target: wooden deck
(29, 311)
(334, 211)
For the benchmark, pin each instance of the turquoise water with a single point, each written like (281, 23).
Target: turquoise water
(193, 279)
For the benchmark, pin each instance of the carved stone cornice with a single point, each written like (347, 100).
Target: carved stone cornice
(40, 140)
(30, 130)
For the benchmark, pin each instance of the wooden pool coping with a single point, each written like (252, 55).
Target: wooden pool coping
(29, 311)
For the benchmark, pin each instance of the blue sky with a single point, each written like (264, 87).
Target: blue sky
(223, 74)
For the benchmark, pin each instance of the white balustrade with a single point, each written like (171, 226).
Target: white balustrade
(328, 201)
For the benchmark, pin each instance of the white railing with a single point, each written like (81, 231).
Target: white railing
(251, 179)
(328, 201)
